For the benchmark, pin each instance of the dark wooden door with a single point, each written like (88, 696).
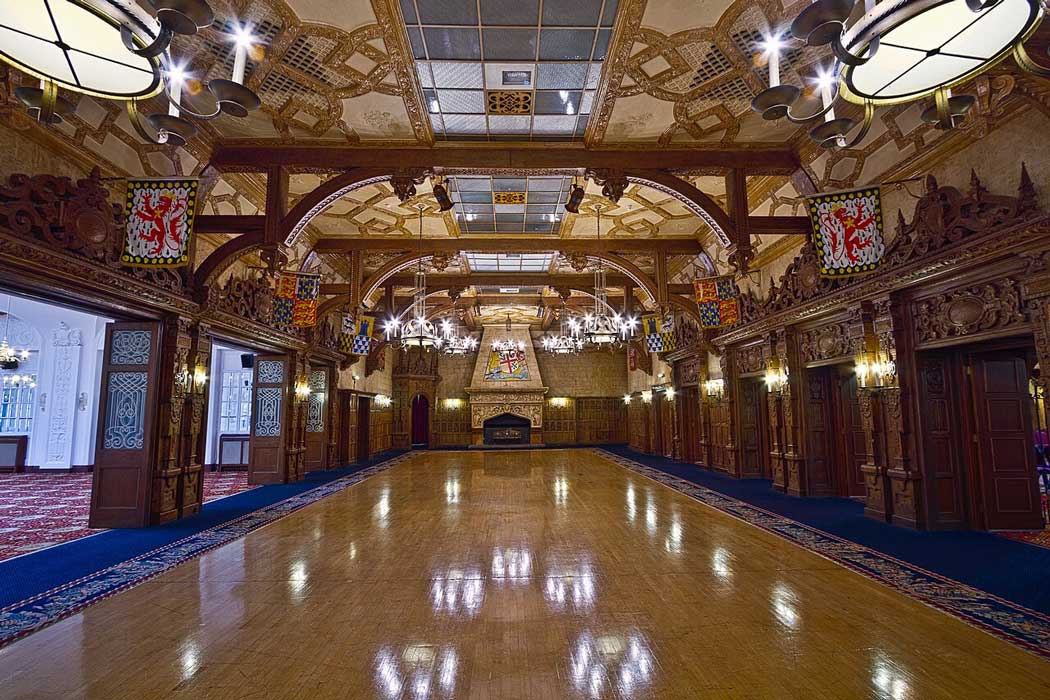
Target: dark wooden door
(122, 477)
(364, 414)
(270, 391)
(819, 440)
(754, 448)
(944, 442)
(689, 423)
(420, 421)
(1003, 440)
(317, 427)
(347, 439)
(850, 438)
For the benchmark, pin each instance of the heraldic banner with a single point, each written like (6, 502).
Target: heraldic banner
(356, 338)
(295, 299)
(659, 333)
(847, 231)
(718, 300)
(507, 365)
(158, 222)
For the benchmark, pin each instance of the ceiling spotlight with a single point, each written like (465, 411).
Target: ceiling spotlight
(441, 195)
(575, 200)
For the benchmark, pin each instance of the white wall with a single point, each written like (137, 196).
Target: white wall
(223, 359)
(66, 359)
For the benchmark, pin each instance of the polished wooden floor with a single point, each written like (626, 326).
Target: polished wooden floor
(503, 575)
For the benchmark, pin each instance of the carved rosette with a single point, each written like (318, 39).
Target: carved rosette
(830, 342)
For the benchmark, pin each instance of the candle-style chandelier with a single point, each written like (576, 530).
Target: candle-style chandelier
(10, 356)
(119, 50)
(452, 343)
(896, 51)
(568, 340)
(417, 332)
(599, 327)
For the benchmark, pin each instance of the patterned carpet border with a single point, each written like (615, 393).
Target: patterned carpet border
(1026, 628)
(35, 613)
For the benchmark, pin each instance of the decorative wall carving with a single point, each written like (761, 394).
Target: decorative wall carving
(825, 343)
(479, 413)
(751, 358)
(248, 297)
(969, 310)
(943, 217)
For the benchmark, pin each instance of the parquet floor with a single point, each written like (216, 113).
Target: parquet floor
(503, 575)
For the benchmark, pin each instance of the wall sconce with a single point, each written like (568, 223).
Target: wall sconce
(302, 390)
(715, 389)
(382, 401)
(200, 378)
(875, 370)
(776, 376)
(647, 396)
(559, 401)
(453, 404)
(669, 392)
(627, 399)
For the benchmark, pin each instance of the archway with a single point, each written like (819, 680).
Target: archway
(420, 421)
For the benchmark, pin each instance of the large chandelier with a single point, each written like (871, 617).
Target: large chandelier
(565, 343)
(598, 327)
(452, 343)
(10, 356)
(417, 332)
(117, 50)
(897, 51)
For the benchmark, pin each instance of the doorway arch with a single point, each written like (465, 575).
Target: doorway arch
(420, 421)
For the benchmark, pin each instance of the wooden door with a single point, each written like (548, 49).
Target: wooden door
(850, 437)
(689, 423)
(364, 419)
(270, 392)
(347, 438)
(317, 427)
(944, 442)
(420, 421)
(122, 477)
(818, 438)
(753, 447)
(1003, 440)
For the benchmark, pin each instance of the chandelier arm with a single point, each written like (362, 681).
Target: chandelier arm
(1025, 60)
(816, 115)
(869, 116)
(159, 45)
(850, 59)
(135, 117)
(187, 110)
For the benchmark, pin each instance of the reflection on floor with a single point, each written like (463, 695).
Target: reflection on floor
(39, 509)
(552, 575)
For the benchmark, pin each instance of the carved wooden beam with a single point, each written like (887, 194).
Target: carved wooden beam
(229, 223)
(741, 252)
(507, 279)
(520, 244)
(755, 160)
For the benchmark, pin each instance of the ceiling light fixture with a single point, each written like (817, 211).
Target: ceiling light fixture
(452, 343)
(576, 193)
(897, 51)
(117, 50)
(507, 344)
(568, 341)
(599, 328)
(445, 202)
(417, 332)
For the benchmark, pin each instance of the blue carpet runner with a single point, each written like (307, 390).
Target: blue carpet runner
(43, 587)
(986, 581)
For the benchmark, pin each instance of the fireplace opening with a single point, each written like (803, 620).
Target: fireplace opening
(507, 429)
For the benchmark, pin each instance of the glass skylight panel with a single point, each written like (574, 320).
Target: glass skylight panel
(510, 46)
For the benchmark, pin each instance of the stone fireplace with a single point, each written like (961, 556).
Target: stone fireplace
(506, 386)
(507, 429)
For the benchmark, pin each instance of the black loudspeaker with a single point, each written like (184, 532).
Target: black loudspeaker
(247, 361)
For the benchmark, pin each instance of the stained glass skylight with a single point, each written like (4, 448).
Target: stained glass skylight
(531, 205)
(509, 262)
(509, 69)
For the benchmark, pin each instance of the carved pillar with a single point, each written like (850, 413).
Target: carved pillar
(862, 337)
(893, 328)
(787, 349)
(195, 412)
(676, 433)
(295, 447)
(333, 419)
(703, 430)
(776, 449)
(173, 379)
(728, 408)
(64, 371)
